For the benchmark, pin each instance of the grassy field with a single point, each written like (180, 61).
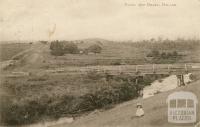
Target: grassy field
(44, 97)
(41, 96)
(7, 51)
(116, 53)
(123, 115)
(113, 53)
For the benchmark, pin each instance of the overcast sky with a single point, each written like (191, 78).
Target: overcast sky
(108, 19)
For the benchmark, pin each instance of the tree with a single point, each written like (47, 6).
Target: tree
(152, 40)
(71, 48)
(43, 42)
(155, 53)
(175, 54)
(95, 48)
(57, 48)
(163, 55)
(169, 55)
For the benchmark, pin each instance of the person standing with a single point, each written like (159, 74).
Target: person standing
(139, 111)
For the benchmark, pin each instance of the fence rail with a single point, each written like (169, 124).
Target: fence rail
(136, 69)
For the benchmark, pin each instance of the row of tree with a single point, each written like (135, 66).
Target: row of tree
(60, 48)
(163, 55)
(166, 44)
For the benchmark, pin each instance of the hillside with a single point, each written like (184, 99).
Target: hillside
(43, 86)
(123, 114)
(113, 53)
(8, 50)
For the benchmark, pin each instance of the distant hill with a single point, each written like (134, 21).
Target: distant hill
(93, 40)
(84, 43)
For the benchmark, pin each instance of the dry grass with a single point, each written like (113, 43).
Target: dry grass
(39, 97)
(11, 49)
(59, 91)
(123, 115)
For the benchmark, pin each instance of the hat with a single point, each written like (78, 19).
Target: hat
(138, 104)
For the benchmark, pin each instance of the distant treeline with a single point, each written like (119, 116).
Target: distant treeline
(163, 55)
(166, 44)
(59, 48)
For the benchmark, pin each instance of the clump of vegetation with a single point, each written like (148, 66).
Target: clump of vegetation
(21, 109)
(94, 75)
(44, 42)
(163, 56)
(70, 48)
(59, 48)
(108, 95)
(94, 48)
(167, 44)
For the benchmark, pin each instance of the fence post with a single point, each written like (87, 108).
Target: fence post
(186, 68)
(168, 67)
(136, 68)
(153, 68)
(136, 80)
(178, 80)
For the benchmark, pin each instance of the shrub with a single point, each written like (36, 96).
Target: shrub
(71, 48)
(163, 55)
(155, 53)
(174, 54)
(107, 96)
(94, 75)
(16, 113)
(116, 90)
(57, 48)
(43, 42)
(95, 48)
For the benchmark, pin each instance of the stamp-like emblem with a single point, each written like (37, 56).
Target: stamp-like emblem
(182, 107)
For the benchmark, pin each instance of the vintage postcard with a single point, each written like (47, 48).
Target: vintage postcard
(99, 63)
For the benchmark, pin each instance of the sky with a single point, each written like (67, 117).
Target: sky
(107, 19)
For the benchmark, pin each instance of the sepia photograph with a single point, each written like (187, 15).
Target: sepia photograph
(99, 63)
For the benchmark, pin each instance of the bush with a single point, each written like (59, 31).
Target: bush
(35, 110)
(71, 48)
(155, 53)
(163, 55)
(94, 75)
(43, 42)
(95, 48)
(108, 95)
(17, 114)
(174, 54)
(116, 90)
(59, 48)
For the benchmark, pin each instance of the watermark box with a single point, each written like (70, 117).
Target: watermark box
(182, 107)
